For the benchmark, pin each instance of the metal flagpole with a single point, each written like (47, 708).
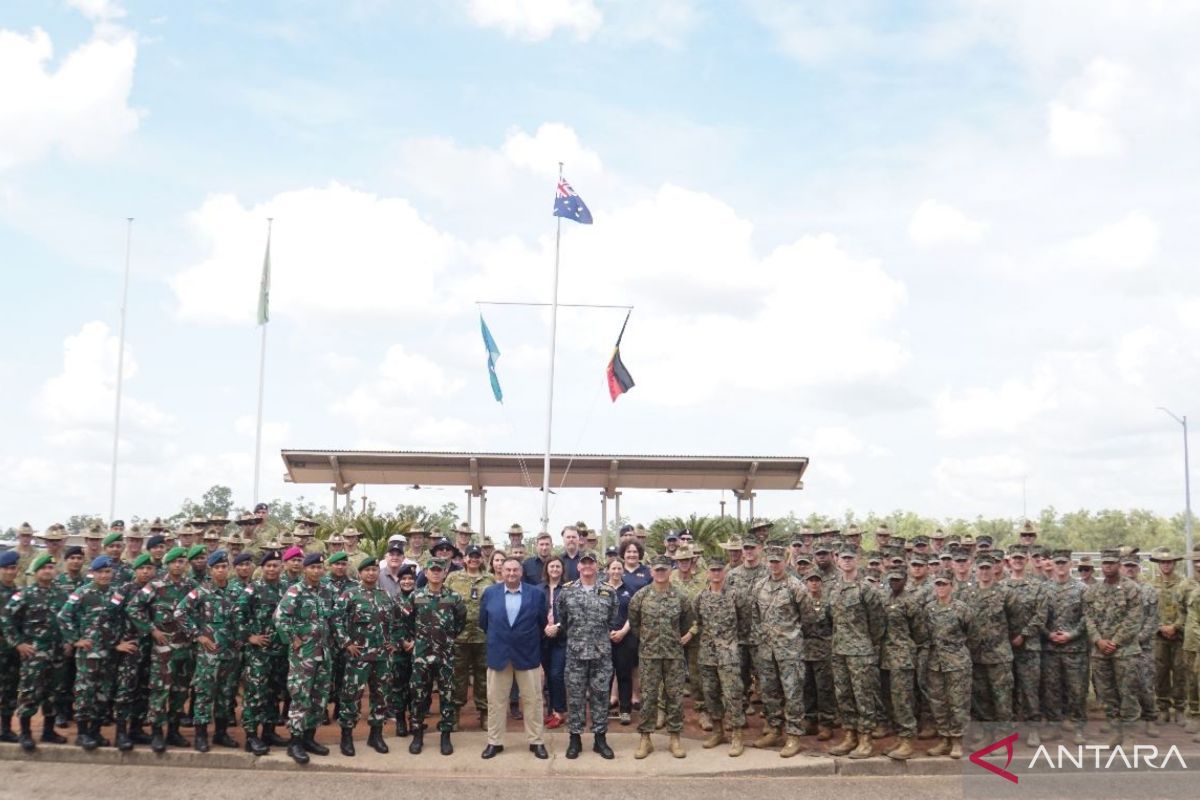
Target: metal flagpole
(262, 371)
(112, 492)
(550, 388)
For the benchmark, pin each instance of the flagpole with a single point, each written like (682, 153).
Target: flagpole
(262, 372)
(112, 492)
(550, 387)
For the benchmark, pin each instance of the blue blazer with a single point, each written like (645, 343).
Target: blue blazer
(519, 644)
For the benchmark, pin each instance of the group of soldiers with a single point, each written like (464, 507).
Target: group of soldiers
(911, 639)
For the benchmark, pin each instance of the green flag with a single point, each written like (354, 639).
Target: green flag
(264, 290)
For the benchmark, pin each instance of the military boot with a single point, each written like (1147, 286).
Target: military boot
(418, 740)
(48, 734)
(83, 735)
(273, 739)
(136, 734)
(715, 738)
(311, 744)
(736, 745)
(200, 740)
(157, 742)
(574, 745)
(1051, 733)
(769, 738)
(447, 747)
(101, 740)
(26, 737)
(676, 746)
(955, 747)
(824, 733)
(6, 731)
(864, 749)
(296, 750)
(1151, 729)
(1033, 738)
(1115, 739)
(221, 736)
(174, 737)
(254, 744)
(401, 725)
(849, 742)
(660, 721)
(600, 745)
(942, 748)
(705, 721)
(347, 745)
(903, 749)
(124, 743)
(645, 747)
(927, 731)
(791, 747)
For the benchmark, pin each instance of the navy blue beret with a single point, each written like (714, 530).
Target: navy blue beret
(9, 558)
(313, 558)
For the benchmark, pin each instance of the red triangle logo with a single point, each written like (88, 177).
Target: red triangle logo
(976, 758)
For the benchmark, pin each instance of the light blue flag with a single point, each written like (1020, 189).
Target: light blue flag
(493, 356)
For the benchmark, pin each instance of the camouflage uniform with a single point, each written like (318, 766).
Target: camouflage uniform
(816, 649)
(691, 588)
(993, 610)
(778, 658)
(303, 613)
(211, 611)
(1064, 666)
(1114, 612)
(1028, 621)
(921, 593)
(10, 663)
(743, 580)
(29, 618)
(586, 615)
(1191, 647)
(94, 613)
(949, 668)
(64, 663)
(858, 627)
(659, 619)
(716, 616)
(172, 666)
(367, 618)
(1147, 636)
(131, 685)
(897, 661)
(1168, 653)
(432, 622)
(401, 660)
(265, 668)
(470, 649)
(332, 589)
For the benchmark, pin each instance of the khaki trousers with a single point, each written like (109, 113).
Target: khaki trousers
(529, 684)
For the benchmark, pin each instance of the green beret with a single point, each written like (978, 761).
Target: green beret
(174, 554)
(196, 551)
(336, 557)
(142, 560)
(366, 562)
(39, 562)
(112, 537)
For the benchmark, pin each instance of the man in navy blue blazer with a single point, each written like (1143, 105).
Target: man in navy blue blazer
(513, 615)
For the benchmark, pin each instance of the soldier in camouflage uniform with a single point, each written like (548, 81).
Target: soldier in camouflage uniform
(585, 612)
(28, 624)
(994, 609)
(1113, 611)
(661, 618)
(1131, 564)
(71, 577)
(743, 580)
(948, 624)
(302, 620)
(1029, 594)
(208, 617)
(152, 613)
(858, 628)
(91, 621)
(366, 628)
(433, 618)
(898, 660)
(816, 641)
(10, 662)
(264, 656)
(1172, 588)
(1065, 653)
(470, 649)
(688, 578)
(777, 613)
(337, 581)
(919, 586)
(131, 685)
(717, 611)
(401, 666)
(114, 545)
(1191, 637)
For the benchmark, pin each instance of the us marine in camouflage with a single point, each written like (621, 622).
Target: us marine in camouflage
(858, 628)
(994, 609)
(1029, 622)
(1064, 658)
(717, 613)
(778, 609)
(1112, 609)
(949, 623)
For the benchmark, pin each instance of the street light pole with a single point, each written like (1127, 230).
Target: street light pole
(1187, 489)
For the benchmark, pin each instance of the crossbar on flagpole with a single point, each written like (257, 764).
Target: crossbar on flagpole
(547, 305)
(112, 492)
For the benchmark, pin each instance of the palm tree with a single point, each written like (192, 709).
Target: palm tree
(707, 532)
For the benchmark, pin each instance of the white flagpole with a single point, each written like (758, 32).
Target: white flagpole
(112, 491)
(262, 372)
(550, 387)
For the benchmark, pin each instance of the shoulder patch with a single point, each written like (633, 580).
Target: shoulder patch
(73, 597)
(16, 596)
(293, 590)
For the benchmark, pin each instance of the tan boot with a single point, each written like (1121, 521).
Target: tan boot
(770, 737)
(1078, 737)
(645, 747)
(1151, 729)
(791, 747)
(942, 748)
(676, 746)
(881, 731)
(956, 747)
(736, 745)
(927, 732)
(1115, 739)
(903, 749)
(715, 738)
(705, 722)
(824, 733)
(661, 721)
(849, 742)
(864, 749)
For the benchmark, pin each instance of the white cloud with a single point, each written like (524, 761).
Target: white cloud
(1129, 244)
(1003, 410)
(1082, 121)
(553, 142)
(989, 481)
(274, 434)
(81, 108)
(333, 250)
(935, 223)
(388, 403)
(535, 20)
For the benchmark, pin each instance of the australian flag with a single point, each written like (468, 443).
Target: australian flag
(570, 205)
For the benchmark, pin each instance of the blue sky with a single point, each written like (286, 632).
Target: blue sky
(941, 248)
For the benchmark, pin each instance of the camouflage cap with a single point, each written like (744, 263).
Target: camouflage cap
(1110, 555)
(717, 562)
(435, 563)
(959, 554)
(847, 549)
(590, 555)
(983, 539)
(920, 541)
(1018, 551)
(895, 575)
(897, 541)
(967, 541)
(874, 557)
(918, 560)
(941, 578)
(802, 558)
(660, 562)
(1061, 555)
(1160, 554)
(1085, 561)
(853, 531)
(985, 560)
(776, 552)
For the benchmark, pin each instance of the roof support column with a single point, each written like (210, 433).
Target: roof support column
(482, 513)
(469, 505)
(603, 518)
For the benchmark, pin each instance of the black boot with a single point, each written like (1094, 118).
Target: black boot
(296, 750)
(26, 737)
(574, 746)
(311, 745)
(347, 746)
(100, 740)
(272, 738)
(174, 737)
(418, 740)
(201, 741)
(6, 731)
(254, 744)
(136, 734)
(600, 745)
(221, 736)
(401, 725)
(48, 734)
(375, 740)
(83, 736)
(124, 743)
(447, 748)
(157, 743)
